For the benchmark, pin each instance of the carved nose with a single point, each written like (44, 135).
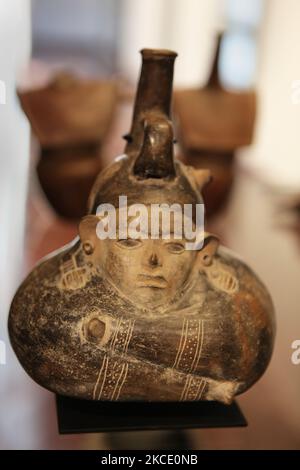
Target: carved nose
(153, 260)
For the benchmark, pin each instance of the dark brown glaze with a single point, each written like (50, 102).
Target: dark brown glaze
(154, 93)
(64, 347)
(113, 320)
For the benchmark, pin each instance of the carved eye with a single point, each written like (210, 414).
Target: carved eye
(129, 243)
(175, 247)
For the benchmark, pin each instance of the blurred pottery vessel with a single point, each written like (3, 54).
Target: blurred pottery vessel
(70, 118)
(212, 123)
(128, 318)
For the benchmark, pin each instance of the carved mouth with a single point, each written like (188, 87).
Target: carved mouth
(147, 280)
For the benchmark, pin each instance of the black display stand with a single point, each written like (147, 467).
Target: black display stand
(81, 416)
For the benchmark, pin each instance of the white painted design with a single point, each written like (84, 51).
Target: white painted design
(73, 277)
(110, 380)
(193, 388)
(113, 372)
(190, 345)
(222, 277)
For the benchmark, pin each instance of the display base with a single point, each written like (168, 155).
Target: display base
(81, 416)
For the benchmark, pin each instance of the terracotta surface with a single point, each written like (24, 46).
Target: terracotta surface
(212, 117)
(69, 110)
(144, 319)
(212, 123)
(70, 118)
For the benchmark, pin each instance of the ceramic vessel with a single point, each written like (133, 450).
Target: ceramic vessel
(212, 123)
(144, 318)
(70, 118)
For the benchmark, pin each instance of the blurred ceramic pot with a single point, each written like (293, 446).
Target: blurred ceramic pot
(212, 123)
(70, 118)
